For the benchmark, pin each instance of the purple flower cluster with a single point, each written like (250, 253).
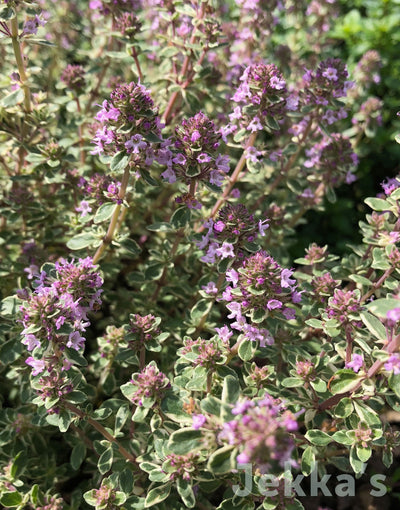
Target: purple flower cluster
(194, 155)
(128, 24)
(100, 187)
(52, 503)
(229, 234)
(129, 123)
(105, 496)
(151, 385)
(74, 77)
(182, 466)
(332, 159)
(258, 376)
(205, 353)
(53, 388)
(323, 286)
(363, 434)
(367, 70)
(54, 315)
(322, 14)
(261, 96)
(260, 284)
(141, 330)
(315, 253)
(389, 186)
(261, 430)
(327, 82)
(306, 370)
(342, 305)
(32, 25)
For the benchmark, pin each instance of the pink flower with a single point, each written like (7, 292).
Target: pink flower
(198, 421)
(356, 363)
(226, 250)
(38, 365)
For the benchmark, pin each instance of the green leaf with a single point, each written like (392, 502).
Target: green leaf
(65, 420)
(377, 204)
(181, 217)
(307, 461)
(36, 157)
(36, 495)
(380, 260)
(374, 325)
(119, 161)
(292, 382)
(185, 440)
(81, 241)
(230, 390)
(126, 480)
(269, 504)
(78, 455)
(360, 279)
(367, 415)
(200, 309)
(140, 414)
(387, 456)
(121, 417)
(9, 306)
(357, 465)
(294, 505)
(40, 42)
(363, 453)
(160, 227)
(130, 247)
(344, 408)
(90, 497)
(104, 212)
(394, 383)
(77, 397)
(75, 357)
(18, 465)
(345, 380)
(381, 307)
(12, 99)
(172, 407)
(7, 13)
(246, 350)
(11, 350)
(148, 178)
(185, 491)
(342, 438)
(211, 405)
(11, 499)
(271, 123)
(157, 495)
(154, 271)
(105, 461)
(221, 461)
(315, 323)
(319, 386)
(318, 437)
